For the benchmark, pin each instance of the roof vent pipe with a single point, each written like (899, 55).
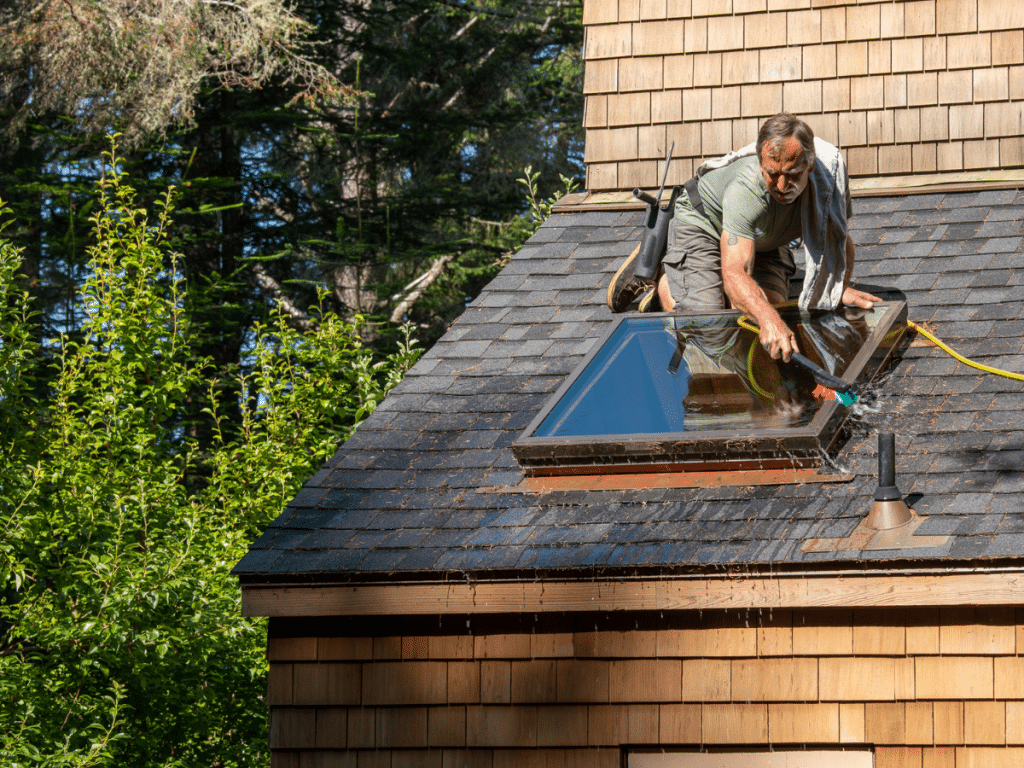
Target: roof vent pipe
(888, 510)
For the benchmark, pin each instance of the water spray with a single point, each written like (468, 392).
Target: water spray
(830, 387)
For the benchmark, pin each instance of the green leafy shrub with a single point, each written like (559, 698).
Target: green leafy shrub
(121, 635)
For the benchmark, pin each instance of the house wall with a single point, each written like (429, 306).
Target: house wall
(928, 688)
(904, 86)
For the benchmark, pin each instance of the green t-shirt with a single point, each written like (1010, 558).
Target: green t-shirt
(736, 200)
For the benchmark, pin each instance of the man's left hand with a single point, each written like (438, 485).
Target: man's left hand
(854, 298)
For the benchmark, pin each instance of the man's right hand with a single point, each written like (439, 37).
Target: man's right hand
(777, 337)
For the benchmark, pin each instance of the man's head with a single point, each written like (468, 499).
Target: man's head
(785, 151)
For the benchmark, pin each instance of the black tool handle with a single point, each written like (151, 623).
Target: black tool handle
(646, 197)
(822, 376)
(668, 162)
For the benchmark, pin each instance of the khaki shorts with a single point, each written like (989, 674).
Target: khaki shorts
(693, 266)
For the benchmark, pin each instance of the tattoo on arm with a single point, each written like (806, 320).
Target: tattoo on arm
(732, 239)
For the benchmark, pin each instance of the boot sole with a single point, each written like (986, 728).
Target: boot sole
(609, 297)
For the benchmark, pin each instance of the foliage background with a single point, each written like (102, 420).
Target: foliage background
(401, 155)
(121, 636)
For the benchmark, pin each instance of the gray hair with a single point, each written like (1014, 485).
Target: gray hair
(778, 129)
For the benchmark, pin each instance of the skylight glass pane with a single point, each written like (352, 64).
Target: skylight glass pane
(697, 391)
(675, 374)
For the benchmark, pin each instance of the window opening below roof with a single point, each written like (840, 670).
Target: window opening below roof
(754, 758)
(672, 391)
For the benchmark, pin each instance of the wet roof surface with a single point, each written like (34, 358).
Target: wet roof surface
(401, 496)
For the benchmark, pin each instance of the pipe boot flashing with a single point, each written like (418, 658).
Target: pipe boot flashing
(888, 510)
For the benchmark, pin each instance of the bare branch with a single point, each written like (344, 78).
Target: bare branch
(465, 27)
(424, 282)
(266, 204)
(297, 317)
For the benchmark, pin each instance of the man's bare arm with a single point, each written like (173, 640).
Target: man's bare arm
(851, 296)
(747, 296)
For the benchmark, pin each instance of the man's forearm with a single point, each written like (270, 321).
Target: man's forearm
(746, 296)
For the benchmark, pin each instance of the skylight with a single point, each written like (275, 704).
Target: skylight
(696, 391)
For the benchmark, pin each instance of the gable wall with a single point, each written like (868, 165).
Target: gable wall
(905, 86)
(929, 688)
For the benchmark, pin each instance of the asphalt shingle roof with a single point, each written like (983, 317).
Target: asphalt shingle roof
(402, 496)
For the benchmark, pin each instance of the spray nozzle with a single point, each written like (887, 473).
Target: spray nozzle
(821, 392)
(831, 387)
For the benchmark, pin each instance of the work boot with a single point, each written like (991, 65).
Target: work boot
(626, 287)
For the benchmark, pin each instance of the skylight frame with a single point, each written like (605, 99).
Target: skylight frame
(731, 449)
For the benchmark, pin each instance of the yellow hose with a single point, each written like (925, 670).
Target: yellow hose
(744, 323)
(945, 348)
(750, 372)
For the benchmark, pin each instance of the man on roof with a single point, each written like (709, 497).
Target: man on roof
(729, 240)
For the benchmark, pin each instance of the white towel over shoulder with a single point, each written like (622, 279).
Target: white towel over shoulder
(823, 214)
(823, 223)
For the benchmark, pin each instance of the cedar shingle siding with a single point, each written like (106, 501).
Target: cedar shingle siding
(923, 687)
(903, 87)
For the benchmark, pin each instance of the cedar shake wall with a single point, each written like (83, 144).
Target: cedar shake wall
(928, 688)
(903, 86)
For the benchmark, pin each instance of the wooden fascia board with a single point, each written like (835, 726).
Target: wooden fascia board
(1002, 587)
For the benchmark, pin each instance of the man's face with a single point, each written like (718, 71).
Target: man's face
(784, 170)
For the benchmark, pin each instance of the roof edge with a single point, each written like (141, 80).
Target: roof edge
(947, 587)
(870, 186)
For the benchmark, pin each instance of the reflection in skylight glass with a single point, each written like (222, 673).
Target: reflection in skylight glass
(696, 373)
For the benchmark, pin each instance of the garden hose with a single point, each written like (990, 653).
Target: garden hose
(829, 387)
(949, 351)
(750, 372)
(845, 393)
